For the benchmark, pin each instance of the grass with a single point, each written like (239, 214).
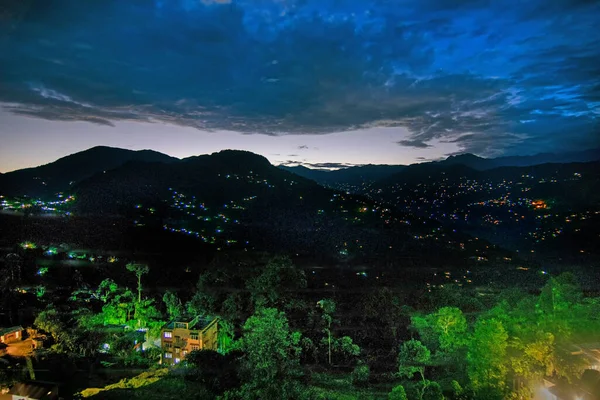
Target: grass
(339, 387)
(154, 384)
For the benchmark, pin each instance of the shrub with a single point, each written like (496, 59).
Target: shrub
(360, 375)
(216, 371)
(397, 393)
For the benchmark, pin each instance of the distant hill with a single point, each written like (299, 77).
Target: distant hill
(346, 176)
(480, 163)
(353, 178)
(65, 172)
(239, 197)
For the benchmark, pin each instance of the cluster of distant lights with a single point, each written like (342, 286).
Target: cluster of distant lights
(52, 251)
(20, 204)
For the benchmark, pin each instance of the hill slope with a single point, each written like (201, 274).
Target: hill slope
(61, 174)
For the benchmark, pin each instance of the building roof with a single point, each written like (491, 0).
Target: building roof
(196, 323)
(4, 331)
(33, 390)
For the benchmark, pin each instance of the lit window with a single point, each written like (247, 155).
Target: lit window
(194, 336)
(195, 347)
(168, 334)
(176, 350)
(168, 355)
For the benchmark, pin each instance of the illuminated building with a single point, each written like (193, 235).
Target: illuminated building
(179, 337)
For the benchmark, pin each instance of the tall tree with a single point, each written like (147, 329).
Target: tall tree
(328, 307)
(486, 358)
(138, 270)
(270, 366)
(413, 357)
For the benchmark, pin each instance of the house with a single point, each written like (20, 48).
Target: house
(34, 390)
(179, 337)
(12, 334)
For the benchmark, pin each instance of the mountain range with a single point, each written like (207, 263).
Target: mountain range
(367, 174)
(64, 173)
(239, 197)
(61, 174)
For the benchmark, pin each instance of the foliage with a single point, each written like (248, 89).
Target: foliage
(270, 367)
(276, 283)
(202, 302)
(173, 304)
(215, 371)
(486, 358)
(360, 375)
(328, 307)
(444, 330)
(397, 393)
(345, 349)
(433, 391)
(138, 270)
(412, 359)
(225, 336)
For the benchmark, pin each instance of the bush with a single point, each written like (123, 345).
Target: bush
(360, 375)
(397, 393)
(215, 371)
(433, 392)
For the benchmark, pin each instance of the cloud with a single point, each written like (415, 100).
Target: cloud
(414, 143)
(436, 67)
(321, 165)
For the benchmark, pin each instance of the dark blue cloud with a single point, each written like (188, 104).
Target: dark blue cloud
(510, 77)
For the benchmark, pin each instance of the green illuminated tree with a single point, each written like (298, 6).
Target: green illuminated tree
(398, 393)
(225, 336)
(486, 358)
(444, 330)
(270, 367)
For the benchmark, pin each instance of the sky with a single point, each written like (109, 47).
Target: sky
(321, 83)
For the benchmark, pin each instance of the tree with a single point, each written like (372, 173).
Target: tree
(451, 325)
(225, 336)
(270, 367)
(444, 330)
(276, 284)
(173, 304)
(215, 371)
(397, 393)
(486, 358)
(328, 307)
(412, 359)
(433, 391)
(346, 349)
(138, 270)
(202, 302)
(360, 375)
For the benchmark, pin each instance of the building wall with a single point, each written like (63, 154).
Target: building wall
(210, 338)
(182, 341)
(11, 337)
